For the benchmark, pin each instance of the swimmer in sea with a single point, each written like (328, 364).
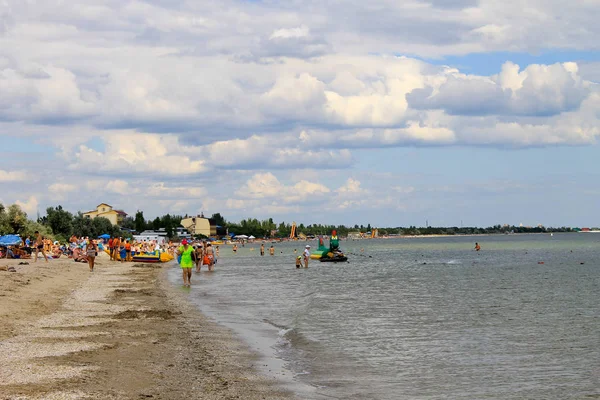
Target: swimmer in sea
(298, 261)
(262, 249)
(272, 250)
(477, 246)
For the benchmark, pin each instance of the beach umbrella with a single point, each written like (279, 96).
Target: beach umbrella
(241, 237)
(251, 237)
(10, 240)
(105, 236)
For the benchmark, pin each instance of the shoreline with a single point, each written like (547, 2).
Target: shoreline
(120, 332)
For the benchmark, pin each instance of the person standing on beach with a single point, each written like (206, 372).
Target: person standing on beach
(90, 252)
(185, 251)
(306, 255)
(116, 247)
(262, 249)
(128, 251)
(110, 247)
(39, 246)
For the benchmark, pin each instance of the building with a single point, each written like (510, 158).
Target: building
(200, 226)
(160, 236)
(106, 211)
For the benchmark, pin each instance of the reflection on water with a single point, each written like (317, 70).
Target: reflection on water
(425, 318)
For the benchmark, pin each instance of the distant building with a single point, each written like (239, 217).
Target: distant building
(160, 235)
(200, 226)
(104, 210)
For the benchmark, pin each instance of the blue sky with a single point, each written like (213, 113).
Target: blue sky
(389, 113)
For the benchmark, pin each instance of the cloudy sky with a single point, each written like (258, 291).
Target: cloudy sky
(387, 112)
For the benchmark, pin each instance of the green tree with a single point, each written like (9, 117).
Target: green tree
(219, 219)
(60, 221)
(140, 222)
(128, 223)
(17, 219)
(156, 223)
(4, 226)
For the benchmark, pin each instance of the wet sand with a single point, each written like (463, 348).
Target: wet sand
(120, 332)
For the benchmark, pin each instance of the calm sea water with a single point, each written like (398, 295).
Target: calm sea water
(419, 318)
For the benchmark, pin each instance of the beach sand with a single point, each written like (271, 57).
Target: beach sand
(120, 332)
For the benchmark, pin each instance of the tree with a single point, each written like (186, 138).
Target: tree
(219, 219)
(128, 223)
(60, 221)
(156, 224)
(17, 219)
(140, 222)
(4, 226)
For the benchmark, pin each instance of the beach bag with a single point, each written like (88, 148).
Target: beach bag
(179, 259)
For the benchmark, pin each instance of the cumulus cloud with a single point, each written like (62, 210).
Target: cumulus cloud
(12, 176)
(162, 190)
(134, 94)
(265, 186)
(538, 90)
(60, 191)
(137, 154)
(30, 206)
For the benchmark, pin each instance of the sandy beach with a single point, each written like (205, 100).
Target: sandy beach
(120, 332)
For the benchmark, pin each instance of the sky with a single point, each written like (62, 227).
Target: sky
(386, 112)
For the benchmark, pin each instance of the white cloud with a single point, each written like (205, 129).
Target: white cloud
(30, 206)
(138, 154)
(352, 187)
(265, 186)
(60, 191)
(538, 90)
(161, 190)
(12, 176)
(301, 31)
(118, 186)
(177, 101)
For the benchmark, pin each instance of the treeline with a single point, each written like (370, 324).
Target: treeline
(167, 222)
(269, 228)
(59, 224)
(13, 220)
(63, 224)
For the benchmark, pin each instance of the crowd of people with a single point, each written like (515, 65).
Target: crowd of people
(80, 249)
(196, 254)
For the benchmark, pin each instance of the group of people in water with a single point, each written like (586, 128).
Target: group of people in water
(196, 254)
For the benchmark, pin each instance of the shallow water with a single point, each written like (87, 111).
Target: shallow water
(420, 318)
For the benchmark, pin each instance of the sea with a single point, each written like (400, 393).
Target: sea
(418, 318)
